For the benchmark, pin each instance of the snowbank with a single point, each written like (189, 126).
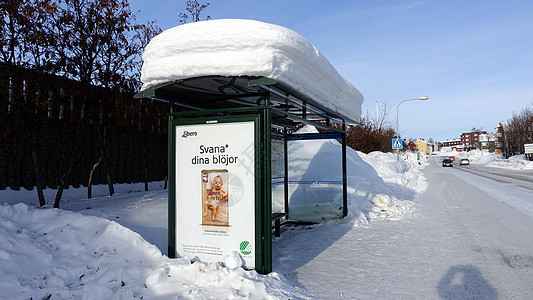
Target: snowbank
(403, 173)
(492, 160)
(233, 47)
(400, 182)
(71, 256)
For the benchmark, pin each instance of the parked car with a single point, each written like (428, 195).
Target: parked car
(447, 162)
(464, 162)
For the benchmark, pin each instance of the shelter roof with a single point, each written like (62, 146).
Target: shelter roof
(215, 64)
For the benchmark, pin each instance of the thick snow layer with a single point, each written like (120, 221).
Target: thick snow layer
(234, 47)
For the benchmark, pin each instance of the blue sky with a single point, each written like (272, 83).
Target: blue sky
(474, 59)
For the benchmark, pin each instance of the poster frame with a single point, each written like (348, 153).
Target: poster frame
(262, 180)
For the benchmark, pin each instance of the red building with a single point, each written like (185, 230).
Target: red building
(471, 139)
(452, 143)
(411, 146)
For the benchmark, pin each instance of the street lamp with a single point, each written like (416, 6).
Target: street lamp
(423, 98)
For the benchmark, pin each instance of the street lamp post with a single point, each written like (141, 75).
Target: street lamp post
(423, 98)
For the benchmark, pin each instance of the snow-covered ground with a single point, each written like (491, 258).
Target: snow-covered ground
(114, 247)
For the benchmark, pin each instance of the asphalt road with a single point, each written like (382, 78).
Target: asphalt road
(514, 187)
(520, 178)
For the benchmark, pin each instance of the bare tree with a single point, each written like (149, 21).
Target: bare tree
(194, 10)
(519, 130)
(97, 43)
(382, 118)
(101, 45)
(11, 34)
(373, 133)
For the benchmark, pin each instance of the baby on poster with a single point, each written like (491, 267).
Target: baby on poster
(214, 197)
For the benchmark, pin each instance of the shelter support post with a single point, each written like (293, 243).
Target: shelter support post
(171, 190)
(286, 173)
(266, 209)
(344, 173)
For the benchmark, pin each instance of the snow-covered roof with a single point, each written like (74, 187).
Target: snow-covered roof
(235, 47)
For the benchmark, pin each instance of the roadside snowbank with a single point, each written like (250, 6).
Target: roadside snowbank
(402, 180)
(404, 172)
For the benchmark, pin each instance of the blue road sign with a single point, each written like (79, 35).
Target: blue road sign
(397, 144)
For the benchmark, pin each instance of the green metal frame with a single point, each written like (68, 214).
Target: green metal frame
(261, 116)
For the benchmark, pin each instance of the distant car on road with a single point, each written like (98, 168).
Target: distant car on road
(452, 158)
(464, 161)
(447, 162)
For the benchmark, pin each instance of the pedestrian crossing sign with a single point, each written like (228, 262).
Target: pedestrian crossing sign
(397, 144)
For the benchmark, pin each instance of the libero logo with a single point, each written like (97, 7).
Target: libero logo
(246, 248)
(187, 134)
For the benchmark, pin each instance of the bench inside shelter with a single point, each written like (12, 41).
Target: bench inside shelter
(276, 218)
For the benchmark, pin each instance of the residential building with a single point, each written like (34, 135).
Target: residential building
(470, 140)
(422, 146)
(451, 143)
(502, 142)
(487, 142)
(433, 146)
(411, 146)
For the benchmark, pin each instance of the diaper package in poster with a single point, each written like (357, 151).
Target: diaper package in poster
(215, 209)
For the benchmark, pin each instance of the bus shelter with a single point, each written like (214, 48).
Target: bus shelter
(229, 135)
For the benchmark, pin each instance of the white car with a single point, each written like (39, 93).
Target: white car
(464, 162)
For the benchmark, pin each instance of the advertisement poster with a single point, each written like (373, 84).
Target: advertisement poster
(215, 191)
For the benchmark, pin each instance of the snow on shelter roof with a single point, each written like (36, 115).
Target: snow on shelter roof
(235, 47)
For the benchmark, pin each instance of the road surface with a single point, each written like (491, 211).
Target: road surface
(514, 187)
(465, 241)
